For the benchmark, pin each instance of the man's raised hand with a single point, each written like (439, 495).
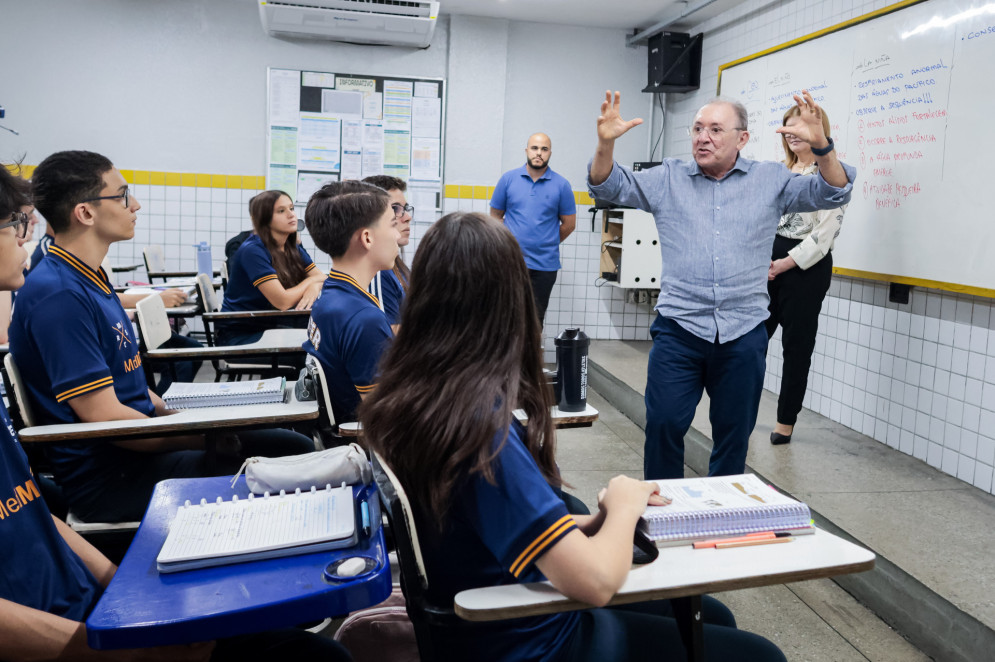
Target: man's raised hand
(810, 128)
(610, 122)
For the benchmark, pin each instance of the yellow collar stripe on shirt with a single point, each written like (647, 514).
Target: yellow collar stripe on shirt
(97, 278)
(338, 275)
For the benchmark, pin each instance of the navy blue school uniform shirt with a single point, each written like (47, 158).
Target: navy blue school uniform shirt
(493, 536)
(70, 336)
(40, 251)
(40, 570)
(390, 293)
(251, 266)
(347, 333)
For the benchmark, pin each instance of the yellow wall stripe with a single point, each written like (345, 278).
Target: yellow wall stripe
(159, 178)
(258, 182)
(918, 282)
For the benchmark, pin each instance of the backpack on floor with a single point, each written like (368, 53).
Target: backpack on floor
(381, 632)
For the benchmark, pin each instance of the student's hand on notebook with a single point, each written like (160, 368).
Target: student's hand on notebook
(653, 499)
(657, 500)
(173, 297)
(628, 493)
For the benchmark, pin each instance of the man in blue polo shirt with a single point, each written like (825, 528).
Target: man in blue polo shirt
(538, 207)
(79, 358)
(354, 223)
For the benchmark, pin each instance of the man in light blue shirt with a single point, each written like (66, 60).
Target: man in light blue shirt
(716, 217)
(538, 207)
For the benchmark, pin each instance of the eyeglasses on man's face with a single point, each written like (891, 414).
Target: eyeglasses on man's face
(127, 196)
(716, 132)
(400, 210)
(20, 222)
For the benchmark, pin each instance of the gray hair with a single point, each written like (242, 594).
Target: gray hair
(742, 116)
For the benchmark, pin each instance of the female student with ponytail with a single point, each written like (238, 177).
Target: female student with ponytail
(270, 271)
(482, 486)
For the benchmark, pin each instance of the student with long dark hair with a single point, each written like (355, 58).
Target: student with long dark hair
(482, 485)
(270, 271)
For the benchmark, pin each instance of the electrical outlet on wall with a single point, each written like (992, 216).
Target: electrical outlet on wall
(632, 296)
(643, 296)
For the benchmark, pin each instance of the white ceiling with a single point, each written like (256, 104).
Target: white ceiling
(622, 14)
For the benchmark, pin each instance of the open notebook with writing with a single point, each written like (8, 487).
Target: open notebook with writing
(253, 528)
(719, 506)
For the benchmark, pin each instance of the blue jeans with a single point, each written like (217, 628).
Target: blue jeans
(681, 366)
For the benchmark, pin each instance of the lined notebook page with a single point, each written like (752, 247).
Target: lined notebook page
(258, 524)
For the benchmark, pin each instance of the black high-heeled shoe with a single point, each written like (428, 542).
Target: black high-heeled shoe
(777, 438)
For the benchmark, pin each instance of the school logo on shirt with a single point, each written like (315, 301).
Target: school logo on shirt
(21, 497)
(313, 333)
(121, 335)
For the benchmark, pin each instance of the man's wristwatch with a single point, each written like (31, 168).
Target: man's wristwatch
(825, 150)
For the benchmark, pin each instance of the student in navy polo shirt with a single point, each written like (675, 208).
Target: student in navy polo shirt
(481, 485)
(51, 577)
(185, 371)
(391, 284)
(79, 357)
(354, 223)
(270, 271)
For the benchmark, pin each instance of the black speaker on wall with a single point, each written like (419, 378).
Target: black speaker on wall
(674, 62)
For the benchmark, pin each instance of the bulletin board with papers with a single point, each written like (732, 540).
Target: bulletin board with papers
(324, 127)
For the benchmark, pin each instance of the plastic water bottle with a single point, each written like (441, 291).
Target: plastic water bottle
(572, 346)
(204, 259)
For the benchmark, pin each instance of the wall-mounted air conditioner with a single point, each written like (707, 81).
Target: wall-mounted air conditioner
(395, 22)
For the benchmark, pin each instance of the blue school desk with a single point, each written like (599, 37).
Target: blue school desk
(143, 608)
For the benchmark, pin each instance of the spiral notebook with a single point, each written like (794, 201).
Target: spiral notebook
(259, 527)
(187, 395)
(719, 506)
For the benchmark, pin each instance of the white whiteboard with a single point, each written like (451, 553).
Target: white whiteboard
(910, 99)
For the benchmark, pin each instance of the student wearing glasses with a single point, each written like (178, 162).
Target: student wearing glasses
(391, 285)
(79, 357)
(23, 221)
(184, 371)
(52, 577)
(270, 271)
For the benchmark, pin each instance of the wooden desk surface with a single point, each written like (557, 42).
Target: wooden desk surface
(683, 571)
(186, 421)
(274, 341)
(561, 419)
